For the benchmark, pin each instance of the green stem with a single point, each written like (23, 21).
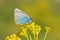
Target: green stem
(27, 37)
(45, 35)
(35, 37)
(30, 38)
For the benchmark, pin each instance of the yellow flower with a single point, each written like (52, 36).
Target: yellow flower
(24, 32)
(35, 29)
(13, 37)
(48, 29)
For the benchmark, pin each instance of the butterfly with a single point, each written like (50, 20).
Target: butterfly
(20, 17)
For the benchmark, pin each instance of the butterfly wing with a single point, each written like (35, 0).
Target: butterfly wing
(20, 17)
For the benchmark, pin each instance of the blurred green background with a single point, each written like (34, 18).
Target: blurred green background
(43, 12)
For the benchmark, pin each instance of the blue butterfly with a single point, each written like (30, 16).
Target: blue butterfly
(21, 17)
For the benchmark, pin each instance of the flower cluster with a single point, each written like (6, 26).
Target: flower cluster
(35, 30)
(13, 37)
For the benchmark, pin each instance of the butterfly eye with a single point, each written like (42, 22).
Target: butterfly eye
(30, 18)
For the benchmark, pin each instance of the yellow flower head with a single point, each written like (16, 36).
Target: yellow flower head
(23, 33)
(13, 37)
(34, 28)
(37, 29)
(23, 28)
(48, 29)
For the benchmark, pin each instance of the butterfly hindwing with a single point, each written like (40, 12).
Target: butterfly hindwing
(20, 17)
